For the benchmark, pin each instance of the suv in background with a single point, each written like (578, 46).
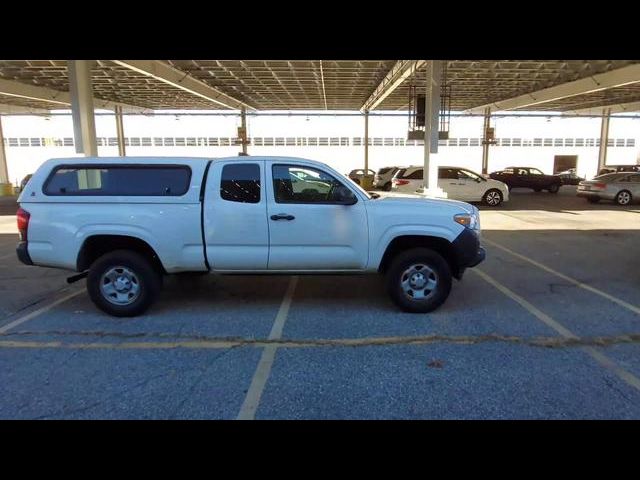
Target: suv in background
(458, 183)
(382, 179)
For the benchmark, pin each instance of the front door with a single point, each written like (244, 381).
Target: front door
(308, 228)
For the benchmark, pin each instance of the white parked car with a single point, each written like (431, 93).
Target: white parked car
(124, 222)
(382, 179)
(458, 183)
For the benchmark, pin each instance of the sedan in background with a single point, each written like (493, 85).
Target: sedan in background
(458, 183)
(618, 168)
(528, 177)
(622, 188)
(570, 177)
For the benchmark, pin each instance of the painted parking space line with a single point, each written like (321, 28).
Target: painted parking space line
(40, 311)
(575, 282)
(261, 375)
(626, 376)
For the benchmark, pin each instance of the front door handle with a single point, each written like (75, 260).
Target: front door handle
(282, 216)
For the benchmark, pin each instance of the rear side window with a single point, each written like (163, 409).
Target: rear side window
(115, 180)
(240, 183)
(416, 175)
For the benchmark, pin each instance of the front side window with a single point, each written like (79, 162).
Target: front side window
(240, 182)
(535, 171)
(300, 184)
(115, 180)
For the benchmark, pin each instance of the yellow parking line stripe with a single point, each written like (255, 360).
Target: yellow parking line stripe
(577, 283)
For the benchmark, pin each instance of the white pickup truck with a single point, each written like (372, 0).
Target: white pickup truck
(124, 222)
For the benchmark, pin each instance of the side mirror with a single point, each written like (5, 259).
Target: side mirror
(343, 196)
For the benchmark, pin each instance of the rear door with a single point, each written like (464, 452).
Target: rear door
(235, 216)
(308, 230)
(449, 182)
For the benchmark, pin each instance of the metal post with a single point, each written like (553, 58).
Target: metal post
(84, 127)
(243, 137)
(4, 171)
(485, 140)
(120, 131)
(426, 178)
(604, 138)
(366, 141)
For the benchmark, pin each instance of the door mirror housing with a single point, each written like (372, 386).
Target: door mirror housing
(344, 196)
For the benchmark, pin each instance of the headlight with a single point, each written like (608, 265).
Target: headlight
(468, 220)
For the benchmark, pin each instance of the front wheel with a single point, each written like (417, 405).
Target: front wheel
(123, 283)
(492, 197)
(554, 188)
(419, 280)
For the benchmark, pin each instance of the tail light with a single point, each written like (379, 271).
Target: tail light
(397, 181)
(599, 186)
(22, 217)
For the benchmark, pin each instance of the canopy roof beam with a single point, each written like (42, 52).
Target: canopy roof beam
(602, 81)
(402, 70)
(164, 72)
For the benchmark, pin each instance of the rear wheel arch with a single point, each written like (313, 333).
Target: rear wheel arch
(96, 246)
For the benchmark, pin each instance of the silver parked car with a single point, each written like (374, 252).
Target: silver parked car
(622, 188)
(382, 179)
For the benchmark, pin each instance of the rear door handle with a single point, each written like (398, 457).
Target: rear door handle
(282, 216)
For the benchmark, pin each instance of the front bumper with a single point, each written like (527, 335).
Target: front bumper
(467, 250)
(23, 253)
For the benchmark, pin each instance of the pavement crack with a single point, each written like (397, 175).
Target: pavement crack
(173, 340)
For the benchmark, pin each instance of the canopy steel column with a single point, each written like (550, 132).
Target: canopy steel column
(120, 132)
(4, 171)
(431, 127)
(366, 141)
(243, 130)
(604, 138)
(485, 140)
(84, 127)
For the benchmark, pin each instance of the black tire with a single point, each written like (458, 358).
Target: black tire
(147, 279)
(437, 265)
(492, 197)
(593, 199)
(537, 189)
(554, 188)
(387, 187)
(624, 197)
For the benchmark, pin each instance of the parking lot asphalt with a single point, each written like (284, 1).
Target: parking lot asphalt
(547, 327)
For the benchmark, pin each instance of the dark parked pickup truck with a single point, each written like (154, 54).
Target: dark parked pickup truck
(527, 177)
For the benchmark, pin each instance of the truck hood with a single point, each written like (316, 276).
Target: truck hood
(394, 199)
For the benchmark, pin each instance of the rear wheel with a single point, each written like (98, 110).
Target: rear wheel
(554, 188)
(623, 197)
(419, 280)
(123, 283)
(492, 197)
(387, 187)
(537, 189)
